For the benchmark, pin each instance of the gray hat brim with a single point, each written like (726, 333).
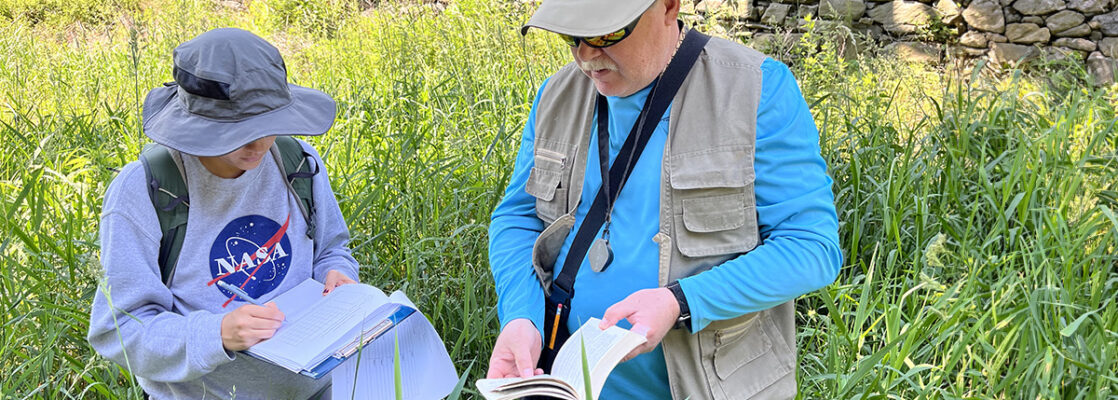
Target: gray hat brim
(585, 18)
(167, 122)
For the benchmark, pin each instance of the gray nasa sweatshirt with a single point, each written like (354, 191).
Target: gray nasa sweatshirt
(247, 231)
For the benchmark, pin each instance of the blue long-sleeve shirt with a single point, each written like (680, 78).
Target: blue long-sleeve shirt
(799, 252)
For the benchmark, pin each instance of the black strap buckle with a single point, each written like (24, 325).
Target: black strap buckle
(559, 295)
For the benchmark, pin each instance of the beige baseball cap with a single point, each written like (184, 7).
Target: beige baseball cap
(585, 18)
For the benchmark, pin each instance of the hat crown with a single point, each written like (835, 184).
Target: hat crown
(585, 18)
(230, 73)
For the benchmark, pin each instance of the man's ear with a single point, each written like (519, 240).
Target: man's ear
(671, 10)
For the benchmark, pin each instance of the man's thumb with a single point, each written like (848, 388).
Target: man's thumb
(615, 313)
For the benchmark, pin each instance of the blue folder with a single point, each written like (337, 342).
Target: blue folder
(396, 314)
(394, 319)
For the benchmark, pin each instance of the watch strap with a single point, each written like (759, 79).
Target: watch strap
(684, 320)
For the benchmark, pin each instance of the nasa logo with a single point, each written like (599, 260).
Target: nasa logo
(253, 253)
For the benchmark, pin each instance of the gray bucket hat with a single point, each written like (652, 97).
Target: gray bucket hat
(231, 89)
(585, 18)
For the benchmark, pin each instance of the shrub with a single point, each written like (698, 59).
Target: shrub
(66, 12)
(317, 17)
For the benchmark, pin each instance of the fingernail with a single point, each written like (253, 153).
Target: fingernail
(526, 373)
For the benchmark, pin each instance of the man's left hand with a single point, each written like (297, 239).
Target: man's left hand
(654, 309)
(335, 278)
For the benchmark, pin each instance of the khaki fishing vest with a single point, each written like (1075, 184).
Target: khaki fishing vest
(708, 214)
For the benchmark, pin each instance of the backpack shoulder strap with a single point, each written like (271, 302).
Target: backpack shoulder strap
(166, 186)
(297, 168)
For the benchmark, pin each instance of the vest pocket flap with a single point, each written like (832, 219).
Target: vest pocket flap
(738, 346)
(550, 159)
(707, 169)
(713, 214)
(542, 183)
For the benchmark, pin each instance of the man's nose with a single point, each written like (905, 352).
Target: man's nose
(587, 52)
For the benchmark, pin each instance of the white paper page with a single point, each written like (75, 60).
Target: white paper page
(305, 339)
(425, 366)
(399, 297)
(493, 389)
(506, 387)
(568, 363)
(296, 301)
(375, 324)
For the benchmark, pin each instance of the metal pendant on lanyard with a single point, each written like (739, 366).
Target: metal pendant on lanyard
(600, 254)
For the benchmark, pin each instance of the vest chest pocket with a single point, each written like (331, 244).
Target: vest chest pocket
(714, 207)
(545, 183)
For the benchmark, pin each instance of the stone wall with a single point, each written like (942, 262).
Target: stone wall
(1006, 32)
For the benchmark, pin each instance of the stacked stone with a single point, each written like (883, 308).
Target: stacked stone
(1022, 30)
(1008, 32)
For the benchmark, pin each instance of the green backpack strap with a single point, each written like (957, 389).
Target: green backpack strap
(166, 185)
(298, 167)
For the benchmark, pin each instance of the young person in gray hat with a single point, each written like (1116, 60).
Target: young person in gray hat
(711, 212)
(177, 332)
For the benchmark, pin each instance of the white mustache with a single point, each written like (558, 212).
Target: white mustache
(597, 64)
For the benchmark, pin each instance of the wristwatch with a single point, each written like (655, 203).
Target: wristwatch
(684, 320)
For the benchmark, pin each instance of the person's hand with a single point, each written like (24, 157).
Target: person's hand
(653, 309)
(335, 278)
(249, 325)
(517, 351)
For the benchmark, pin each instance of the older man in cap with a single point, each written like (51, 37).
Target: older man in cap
(666, 181)
(173, 311)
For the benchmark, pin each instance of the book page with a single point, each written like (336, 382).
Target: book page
(515, 388)
(303, 341)
(604, 349)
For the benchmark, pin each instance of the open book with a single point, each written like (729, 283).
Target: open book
(320, 332)
(604, 349)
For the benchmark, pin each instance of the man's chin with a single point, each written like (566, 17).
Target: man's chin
(603, 86)
(608, 90)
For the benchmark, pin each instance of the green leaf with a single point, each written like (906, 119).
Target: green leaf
(1074, 325)
(457, 392)
(586, 371)
(865, 365)
(398, 378)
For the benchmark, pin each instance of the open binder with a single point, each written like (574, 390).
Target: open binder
(321, 332)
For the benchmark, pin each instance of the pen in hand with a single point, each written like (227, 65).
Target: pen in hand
(239, 292)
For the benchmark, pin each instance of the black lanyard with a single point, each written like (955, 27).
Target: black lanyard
(603, 145)
(663, 90)
(603, 153)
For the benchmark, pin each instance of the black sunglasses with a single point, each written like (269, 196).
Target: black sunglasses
(603, 41)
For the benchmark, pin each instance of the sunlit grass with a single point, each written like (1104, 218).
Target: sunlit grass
(978, 213)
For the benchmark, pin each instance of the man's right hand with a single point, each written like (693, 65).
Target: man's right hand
(249, 325)
(517, 351)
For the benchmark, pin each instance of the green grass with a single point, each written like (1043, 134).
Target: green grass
(979, 212)
(64, 12)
